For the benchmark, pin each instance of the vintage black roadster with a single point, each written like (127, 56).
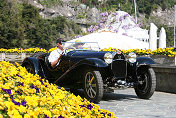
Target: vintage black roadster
(96, 71)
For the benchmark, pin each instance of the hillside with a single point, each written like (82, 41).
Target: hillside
(89, 13)
(69, 18)
(160, 12)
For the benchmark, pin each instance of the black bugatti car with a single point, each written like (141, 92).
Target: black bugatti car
(96, 71)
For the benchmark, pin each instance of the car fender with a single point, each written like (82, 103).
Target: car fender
(144, 61)
(140, 64)
(87, 62)
(33, 61)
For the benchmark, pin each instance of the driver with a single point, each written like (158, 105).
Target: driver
(55, 56)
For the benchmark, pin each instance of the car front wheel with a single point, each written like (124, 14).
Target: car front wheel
(93, 85)
(146, 83)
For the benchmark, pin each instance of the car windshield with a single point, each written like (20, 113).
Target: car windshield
(68, 46)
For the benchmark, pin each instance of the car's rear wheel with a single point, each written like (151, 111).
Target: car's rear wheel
(93, 85)
(30, 68)
(146, 84)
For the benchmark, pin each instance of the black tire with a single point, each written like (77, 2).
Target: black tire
(72, 90)
(147, 83)
(30, 68)
(93, 85)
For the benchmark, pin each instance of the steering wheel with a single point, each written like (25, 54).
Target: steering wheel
(70, 49)
(66, 50)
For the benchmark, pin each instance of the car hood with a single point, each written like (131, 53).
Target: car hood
(87, 54)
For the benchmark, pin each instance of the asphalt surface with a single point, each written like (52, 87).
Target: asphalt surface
(125, 104)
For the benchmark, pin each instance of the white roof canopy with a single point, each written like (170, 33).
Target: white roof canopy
(113, 40)
(117, 30)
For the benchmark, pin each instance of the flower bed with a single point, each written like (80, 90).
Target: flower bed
(20, 50)
(171, 52)
(25, 95)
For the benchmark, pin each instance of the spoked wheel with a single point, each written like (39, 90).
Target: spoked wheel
(146, 84)
(93, 86)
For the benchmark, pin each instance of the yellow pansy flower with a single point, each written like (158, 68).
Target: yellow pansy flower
(49, 100)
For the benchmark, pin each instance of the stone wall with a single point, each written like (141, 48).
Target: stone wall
(14, 57)
(165, 70)
(164, 60)
(165, 78)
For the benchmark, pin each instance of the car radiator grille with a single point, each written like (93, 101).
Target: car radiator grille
(119, 68)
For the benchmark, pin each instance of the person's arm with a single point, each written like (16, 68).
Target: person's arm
(53, 64)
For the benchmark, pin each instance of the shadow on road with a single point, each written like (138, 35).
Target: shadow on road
(117, 96)
(109, 96)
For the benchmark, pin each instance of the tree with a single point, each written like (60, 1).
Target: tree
(11, 29)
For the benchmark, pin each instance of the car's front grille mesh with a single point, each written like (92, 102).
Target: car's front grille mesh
(119, 68)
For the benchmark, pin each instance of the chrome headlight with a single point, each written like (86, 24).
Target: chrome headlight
(132, 57)
(108, 57)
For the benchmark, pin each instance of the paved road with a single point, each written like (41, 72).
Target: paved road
(125, 104)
